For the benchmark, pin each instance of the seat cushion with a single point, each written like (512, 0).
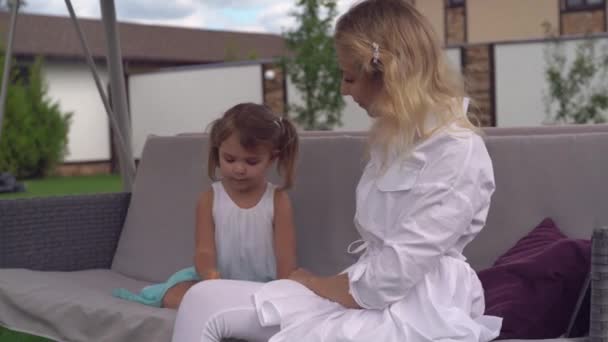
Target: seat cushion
(562, 176)
(535, 285)
(158, 235)
(78, 306)
(581, 339)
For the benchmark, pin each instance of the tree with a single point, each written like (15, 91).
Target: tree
(578, 90)
(34, 133)
(312, 66)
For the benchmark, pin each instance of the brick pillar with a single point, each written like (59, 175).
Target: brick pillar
(455, 25)
(478, 69)
(274, 87)
(83, 169)
(582, 22)
(583, 19)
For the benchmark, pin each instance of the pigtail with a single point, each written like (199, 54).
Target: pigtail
(213, 157)
(288, 146)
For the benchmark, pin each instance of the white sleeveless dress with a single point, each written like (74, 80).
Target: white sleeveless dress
(244, 237)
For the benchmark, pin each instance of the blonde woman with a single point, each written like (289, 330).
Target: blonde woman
(423, 196)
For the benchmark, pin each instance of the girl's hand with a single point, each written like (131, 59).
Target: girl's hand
(211, 274)
(302, 276)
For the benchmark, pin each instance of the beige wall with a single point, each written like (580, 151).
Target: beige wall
(433, 10)
(499, 20)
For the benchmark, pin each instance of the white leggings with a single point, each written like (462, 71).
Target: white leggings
(215, 309)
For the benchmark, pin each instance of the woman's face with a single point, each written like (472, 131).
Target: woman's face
(361, 87)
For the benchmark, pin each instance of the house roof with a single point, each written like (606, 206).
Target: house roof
(54, 36)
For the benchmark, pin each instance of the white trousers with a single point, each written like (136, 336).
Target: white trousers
(216, 309)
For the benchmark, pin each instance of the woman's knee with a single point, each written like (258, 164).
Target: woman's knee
(194, 317)
(222, 292)
(214, 309)
(204, 291)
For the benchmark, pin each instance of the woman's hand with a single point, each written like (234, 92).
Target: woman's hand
(334, 288)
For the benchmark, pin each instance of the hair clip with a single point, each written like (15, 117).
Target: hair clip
(375, 53)
(279, 122)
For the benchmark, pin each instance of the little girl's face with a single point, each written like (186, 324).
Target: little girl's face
(243, 169)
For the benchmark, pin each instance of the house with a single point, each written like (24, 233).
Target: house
(144, 48)
(498, 45)
(494, 34)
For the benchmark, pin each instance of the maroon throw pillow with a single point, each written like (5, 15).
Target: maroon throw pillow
(535, 285)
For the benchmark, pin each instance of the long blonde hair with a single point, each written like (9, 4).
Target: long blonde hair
(411, 66)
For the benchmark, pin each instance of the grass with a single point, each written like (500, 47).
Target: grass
(12, 336)
(76, 185)
(55, 186)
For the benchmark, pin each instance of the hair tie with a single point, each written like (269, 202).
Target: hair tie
(279, 122)
(375, 53)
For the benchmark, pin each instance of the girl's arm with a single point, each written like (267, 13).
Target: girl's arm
(204, 256)
(284, 235)
(334, 288)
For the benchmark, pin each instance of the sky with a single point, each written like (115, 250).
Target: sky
(268, 16)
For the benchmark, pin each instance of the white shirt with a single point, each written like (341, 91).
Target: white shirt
(430, 205)
(415, 217)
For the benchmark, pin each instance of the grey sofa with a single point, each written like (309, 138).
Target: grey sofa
(61, 257)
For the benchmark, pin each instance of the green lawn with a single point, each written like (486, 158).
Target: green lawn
(11, 336)
(59, 186)
(68, 186)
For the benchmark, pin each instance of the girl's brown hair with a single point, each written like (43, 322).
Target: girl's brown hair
(256, 125)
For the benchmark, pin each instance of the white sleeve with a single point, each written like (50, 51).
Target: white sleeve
(421, 236)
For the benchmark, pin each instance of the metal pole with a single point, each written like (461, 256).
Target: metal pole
(129, 174)
(8, 56)
(117, 84)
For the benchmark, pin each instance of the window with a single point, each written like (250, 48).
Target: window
(455, 3)
(22, 74)
(574, 5)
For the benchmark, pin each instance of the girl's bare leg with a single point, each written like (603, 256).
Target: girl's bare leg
(173, 296)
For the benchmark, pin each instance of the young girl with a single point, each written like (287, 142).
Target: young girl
(423, 196)
(244, 227)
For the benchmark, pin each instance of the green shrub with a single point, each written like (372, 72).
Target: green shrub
(34, 137)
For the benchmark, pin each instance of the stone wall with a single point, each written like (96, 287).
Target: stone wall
(582, 22)
(83, 169)
(455, 25)
(478, 69)
(274, 88)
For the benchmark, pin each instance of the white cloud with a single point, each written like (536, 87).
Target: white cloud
(157, 9)
(85, 9)
(276, 18)
(243, 4)
(252, 28)
(195, 18)
(238, 15)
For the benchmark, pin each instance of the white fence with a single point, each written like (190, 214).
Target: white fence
(188, 99)
(184, 100)
(520, 81)
(71, 85)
